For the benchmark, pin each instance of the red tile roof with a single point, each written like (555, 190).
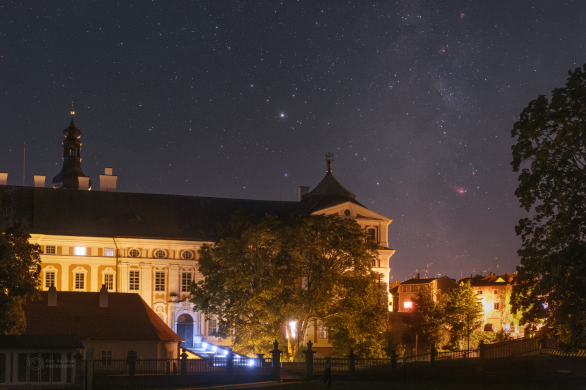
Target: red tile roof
(127, 317)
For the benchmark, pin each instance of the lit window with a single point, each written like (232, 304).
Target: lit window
(212, 327)
(408, 305)
(322, 330)
(134, 281)
(495, 292)
(479, 292)
(185, 281)
(109, 252)
(50, 249)
(107, 357)
(80, 250)
(159, 281)
(109, 281)
(187, 255)
(497, 306)
(134, 253)
(80, 281)
(49, 279)
(160, 254)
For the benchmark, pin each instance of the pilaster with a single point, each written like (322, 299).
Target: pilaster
(146, 282)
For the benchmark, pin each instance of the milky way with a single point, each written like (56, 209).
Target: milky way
(242, 99)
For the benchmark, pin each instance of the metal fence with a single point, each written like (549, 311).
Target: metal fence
(520, 347)
(171, 366)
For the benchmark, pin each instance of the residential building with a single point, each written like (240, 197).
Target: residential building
(407, 291)
(492, 291)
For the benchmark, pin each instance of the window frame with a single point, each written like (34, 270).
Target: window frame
(322, 331)
(186, 287)
(132, 283)
(160, 276)
(80, 251)
(107, 250)
(137, 251)
(212, 326)
(46, 279)
(75, 281)
(50, 252)
(107, 357)
(191, 255)
(156, 251)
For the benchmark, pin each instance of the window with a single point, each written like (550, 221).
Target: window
(497, 306)
(109, 281)
(107, 357)
(49, 279)
(80, 250)
(134, 253)
(160, 254)
(212, 326)
(159, 281)
(372, 233)
(185, 281)
(403, 288)
(322, 330)
(495, 292)
(80, 281)
(109, 252)
(133, 281)
(479, 292)
(408, 305)
(187, 255)
(347, 212)
(50, 249)
(375, 263)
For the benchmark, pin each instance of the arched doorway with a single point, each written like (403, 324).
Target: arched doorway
(185, 330)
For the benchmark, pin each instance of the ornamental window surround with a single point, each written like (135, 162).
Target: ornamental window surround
(187, 255)
(160, 280)
(186, 279)
(160, 253)
(50, 277)
(134, 280)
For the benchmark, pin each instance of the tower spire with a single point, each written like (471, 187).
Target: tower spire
(72, 114)
(329, 160)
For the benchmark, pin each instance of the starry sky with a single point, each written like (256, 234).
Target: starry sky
(242, 99)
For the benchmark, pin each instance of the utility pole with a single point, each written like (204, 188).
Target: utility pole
(23, 163)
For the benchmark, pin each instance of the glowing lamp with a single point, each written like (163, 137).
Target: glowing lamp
(408, 305)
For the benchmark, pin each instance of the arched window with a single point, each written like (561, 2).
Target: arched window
(185, 318)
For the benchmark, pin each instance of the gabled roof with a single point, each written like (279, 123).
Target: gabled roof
(127, 317)
(490, 280)
(418, 281)
(38, 342)
(328, 193)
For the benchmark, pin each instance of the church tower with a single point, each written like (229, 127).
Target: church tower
(69, 177)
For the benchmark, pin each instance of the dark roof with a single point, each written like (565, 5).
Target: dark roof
(45, 341)
(329, 192)
(490, 280)
(120, 214)
(419, 281)
(127, 317)
(330, 186)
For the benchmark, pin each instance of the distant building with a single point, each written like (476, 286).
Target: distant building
(115, 323)
(407, 291)
(491, 290)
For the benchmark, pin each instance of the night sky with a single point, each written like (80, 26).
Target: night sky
(242, 99)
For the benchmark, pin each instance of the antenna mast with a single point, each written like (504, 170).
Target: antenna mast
(23, 163)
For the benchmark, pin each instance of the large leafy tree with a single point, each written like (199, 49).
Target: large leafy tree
(550, 153)
(266, 276)
(19, 278)
(463, 313)
(430, 324)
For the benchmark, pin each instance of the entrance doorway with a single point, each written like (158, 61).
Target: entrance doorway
(185, 330)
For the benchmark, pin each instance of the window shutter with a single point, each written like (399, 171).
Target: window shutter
(88, 251)
(71, 250)
(100, 251)
(59, 250)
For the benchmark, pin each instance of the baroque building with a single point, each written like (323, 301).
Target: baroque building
(148, 243)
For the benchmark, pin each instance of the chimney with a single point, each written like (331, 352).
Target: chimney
(84, 183)
(416, 275)
(103, 296)
(40, 180)
(3, 178)
(108, 181)
(52, 297)
(302, 191)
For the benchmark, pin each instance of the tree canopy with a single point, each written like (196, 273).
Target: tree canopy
(19, 276)
(464, 313)
(550, 154)
(273, 274)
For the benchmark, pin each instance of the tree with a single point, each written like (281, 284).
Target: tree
(273, 274)
(550, 153)
(463, 313)
(430, 319)
(19, 275)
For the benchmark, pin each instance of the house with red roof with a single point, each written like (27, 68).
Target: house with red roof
(115, 323)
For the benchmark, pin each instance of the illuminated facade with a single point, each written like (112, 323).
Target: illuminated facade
(148, 243)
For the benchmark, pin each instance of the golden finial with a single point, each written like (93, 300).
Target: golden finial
(329, 160)
(72, 112)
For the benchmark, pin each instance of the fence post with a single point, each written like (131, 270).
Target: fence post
(230, 361)
(393, 360)
(168, 367)
(183, 362)
(78, 380)
(131, 361)
(352, 361)
(276, 361)
(89, 361)
(174, 368)
(482, 350)
(432, 354)
(261, 360)
(309, 361)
